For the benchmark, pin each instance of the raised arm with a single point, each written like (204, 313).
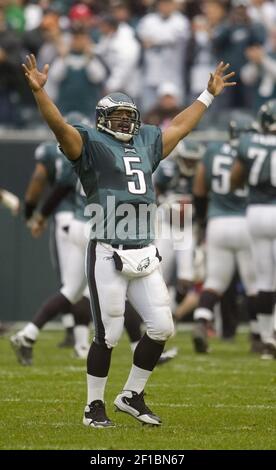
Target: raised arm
(68, 137)
(185, 121)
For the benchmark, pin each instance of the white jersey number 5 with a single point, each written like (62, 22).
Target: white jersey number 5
(135, 187)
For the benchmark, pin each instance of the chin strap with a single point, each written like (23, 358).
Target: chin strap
(118, 135)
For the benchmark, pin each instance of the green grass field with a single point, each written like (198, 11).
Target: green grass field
(226, 400)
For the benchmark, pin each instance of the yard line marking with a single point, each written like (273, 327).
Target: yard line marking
(266, 388)
(39, 372)
(217, 405)
(38, 400)
(218, 370)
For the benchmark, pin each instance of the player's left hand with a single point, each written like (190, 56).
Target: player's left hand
(219, 80)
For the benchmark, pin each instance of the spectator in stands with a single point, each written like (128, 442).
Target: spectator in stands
(200, 59)
(164, 34)
(260, 71)
(33, 13)
(42, 40)
(140, 8)
(215, 12)
(263, 11)
(81, 16)
(78, 74)
(15, 15)
(52, 37)
(121, 10)
(120, 51)
(11, 82)
(167, 106)
(231, 39)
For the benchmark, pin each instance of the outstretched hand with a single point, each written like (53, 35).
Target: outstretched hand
(35, 78)
(219, 80)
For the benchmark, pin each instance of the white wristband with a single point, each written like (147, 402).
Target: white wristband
(206, 98)
(9, 200)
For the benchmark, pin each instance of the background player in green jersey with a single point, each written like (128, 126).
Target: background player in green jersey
(228, 241)
(73, 294)
(48, 163)
(116, 160)
(256, 165)
(173, 182)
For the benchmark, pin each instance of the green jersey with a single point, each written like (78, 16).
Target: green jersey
(68, 178)
(51, 157)
(168, 179)
(223, 202)
(257, 153)
(117, 180)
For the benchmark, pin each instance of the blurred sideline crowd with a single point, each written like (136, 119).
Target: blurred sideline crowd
(159, 52)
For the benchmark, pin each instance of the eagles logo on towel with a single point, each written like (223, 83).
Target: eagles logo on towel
(143, 264)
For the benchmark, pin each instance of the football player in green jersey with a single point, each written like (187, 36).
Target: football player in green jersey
(115, 163)
(48, 162)
(173, 182)
(74, 277)
(48, 166)
(228, 241)
(256, 165)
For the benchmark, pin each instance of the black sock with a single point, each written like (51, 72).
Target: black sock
(265, 302)
(252, 306)
(81, 311)
(98, 360)
(52, 307)
(147, 353)
(208, 300)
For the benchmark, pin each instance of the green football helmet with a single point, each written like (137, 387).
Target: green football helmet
(239, 124)
(104, 118)
(267, 116)
(187, 154)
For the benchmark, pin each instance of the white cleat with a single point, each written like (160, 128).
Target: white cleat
(133, 403)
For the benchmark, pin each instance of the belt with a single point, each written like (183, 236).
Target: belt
(127, 247)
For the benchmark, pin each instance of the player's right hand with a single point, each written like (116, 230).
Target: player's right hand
(37, 225)
(35, 78)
